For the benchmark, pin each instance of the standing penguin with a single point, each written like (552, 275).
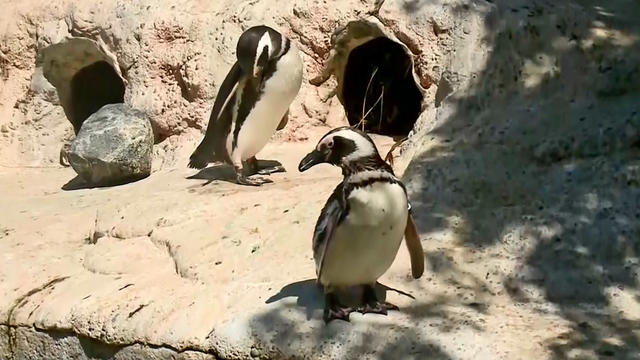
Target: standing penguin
(251, 104)
(361, 226)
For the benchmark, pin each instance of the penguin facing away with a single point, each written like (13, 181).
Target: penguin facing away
(251, 104)
(361, 226)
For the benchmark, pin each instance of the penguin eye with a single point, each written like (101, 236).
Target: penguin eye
(330, 144)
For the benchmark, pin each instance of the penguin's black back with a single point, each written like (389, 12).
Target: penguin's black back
(213, 145)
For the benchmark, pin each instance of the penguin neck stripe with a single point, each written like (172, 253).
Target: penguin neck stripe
(369, 163)
(285, 45)
(367, 175)
(351, 186)
(281, 50)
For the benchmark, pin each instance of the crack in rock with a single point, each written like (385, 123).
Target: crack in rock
(124, 287)
(96, 233)
(142, 306)
(162, 243)
(172, 255)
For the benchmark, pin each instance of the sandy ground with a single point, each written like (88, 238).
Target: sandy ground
(227, 270)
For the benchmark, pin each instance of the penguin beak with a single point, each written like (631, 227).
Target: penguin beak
(313, 158)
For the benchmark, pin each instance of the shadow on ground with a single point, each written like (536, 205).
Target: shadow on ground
(224, 172)
(310, 295)
(350, 339)
(540, 161)
(537, 164)
(77, 183)
(215, 173)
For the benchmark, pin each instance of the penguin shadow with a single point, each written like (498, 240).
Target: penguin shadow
(78, 183)
(219, 172)
(311, 295)
(225, 172)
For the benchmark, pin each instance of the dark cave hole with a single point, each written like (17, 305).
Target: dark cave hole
(93, 87)
(400, 105)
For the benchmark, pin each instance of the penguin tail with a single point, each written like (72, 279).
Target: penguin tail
(199, 159)
(196, 164)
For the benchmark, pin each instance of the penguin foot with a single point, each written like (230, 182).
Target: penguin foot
(271, 170)
(371, 303)
(337, 313)
(377, 307)
(253, 181)
(251, 167)
(333, 310)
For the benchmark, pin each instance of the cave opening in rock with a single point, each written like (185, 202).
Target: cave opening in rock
(93, 87)
(379, 78)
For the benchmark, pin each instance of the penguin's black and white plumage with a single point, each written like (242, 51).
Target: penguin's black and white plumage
(361, 226)
(252, 103)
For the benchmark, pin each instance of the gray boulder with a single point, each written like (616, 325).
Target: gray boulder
(114, 146)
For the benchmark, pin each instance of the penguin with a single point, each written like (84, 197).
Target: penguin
(361, 226)
(251, 104)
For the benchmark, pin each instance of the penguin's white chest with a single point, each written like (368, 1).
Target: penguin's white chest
(278, 93)
(367, 241)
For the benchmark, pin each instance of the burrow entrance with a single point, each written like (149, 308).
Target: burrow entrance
(85, 74)
(92, 87)
(379, 85)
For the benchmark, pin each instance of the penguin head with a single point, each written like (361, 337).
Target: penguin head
(256, 47)
(340, 147)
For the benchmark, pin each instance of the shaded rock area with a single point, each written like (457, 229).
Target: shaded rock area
(62, 344)
(532, 164)
(114, 146)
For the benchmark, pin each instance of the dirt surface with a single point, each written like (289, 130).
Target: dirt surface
(225, 270)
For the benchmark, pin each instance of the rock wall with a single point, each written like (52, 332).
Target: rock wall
(173, 56)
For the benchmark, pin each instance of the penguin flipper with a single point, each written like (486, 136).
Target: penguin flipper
(204, 153)
(415, 248)
(331, 216)
(284, 121)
